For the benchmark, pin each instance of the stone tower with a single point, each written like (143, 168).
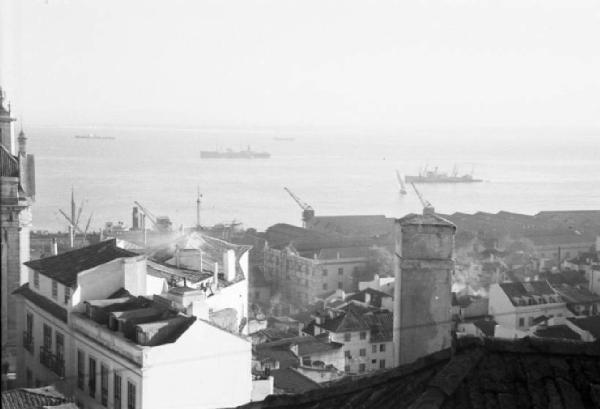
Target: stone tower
(422, 299)
(17, 184)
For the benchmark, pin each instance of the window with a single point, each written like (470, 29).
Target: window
(306, 361)
(362, 352)
(28, 335)
(382, 348)
(363, 335)
(54, 289)
(80, 368)
(382, 363)
(521, 322)
(347, 354)
(347, 336)
(341, 271)
(324, 272)
(103, 385)
(60, 354)
(530, 321)
(36, 279)
(347, 368)
(92, 377)
(362, 368)
(117, 391)
(47, 337)
(340, 285)
(130, 395)
(373, 348)
(324, 286)
(67, 294)
(373, 361)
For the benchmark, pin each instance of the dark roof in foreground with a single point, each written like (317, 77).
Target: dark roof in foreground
(557, 331)
(37, 398)
(483, 373)
(292, 381)
(65, 267)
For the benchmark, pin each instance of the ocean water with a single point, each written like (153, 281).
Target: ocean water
(335, 171)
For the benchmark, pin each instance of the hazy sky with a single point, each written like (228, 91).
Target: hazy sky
(379, 63)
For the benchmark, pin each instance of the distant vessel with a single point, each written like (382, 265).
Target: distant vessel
(93, 136)
(284, 138)
(434, 176)
(401, 183)
(230, 154)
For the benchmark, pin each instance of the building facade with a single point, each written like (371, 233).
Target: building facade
(17, 192)
(93, 326)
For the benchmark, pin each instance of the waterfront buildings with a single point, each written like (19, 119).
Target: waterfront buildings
(103, 325)
(17, 193)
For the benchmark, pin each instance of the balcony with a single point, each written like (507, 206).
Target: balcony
(28, 341)
(52, 362)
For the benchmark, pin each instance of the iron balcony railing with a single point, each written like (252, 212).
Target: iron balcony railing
(52, 361)
(28, 341)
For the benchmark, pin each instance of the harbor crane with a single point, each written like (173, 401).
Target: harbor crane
(73, 220)
(162, 223)
(307, 211)
(426, 205)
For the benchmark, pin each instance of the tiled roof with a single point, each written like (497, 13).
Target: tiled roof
(291, 381)
(65, 267)
(381, 325)
(482, 373)
(557, 331)
(576, 295)
(488, 327)
(37, 398)
(366, 225)
(42, 302)
(589, 324)
(526, 289)
(307, 345)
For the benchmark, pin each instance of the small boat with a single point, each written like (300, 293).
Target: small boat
(284, 138)
(401, 183)
(93, 136)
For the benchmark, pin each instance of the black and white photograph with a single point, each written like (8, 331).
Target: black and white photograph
(300, 204)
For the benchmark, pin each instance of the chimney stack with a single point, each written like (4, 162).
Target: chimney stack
(54, 246)
(229, 265)
(135, 224)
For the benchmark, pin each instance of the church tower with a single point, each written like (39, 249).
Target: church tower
(424, 264)
(17, 184)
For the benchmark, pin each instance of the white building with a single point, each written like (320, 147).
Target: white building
(521, 305)
(92, 326)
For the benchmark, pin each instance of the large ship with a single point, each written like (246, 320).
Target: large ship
(435, 176)
(231, 154)
(93, 136)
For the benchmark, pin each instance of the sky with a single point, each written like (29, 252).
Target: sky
(311, 63)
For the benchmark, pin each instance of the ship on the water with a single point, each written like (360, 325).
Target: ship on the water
(284, 138)
(231, 154)
(435, 176)
(93, 136)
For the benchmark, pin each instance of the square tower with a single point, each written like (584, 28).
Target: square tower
(423, 266)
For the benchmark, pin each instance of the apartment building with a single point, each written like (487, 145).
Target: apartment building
(521, 305)
(94, 326)
(365, 332)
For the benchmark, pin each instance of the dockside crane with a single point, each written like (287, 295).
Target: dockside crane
(73, 220)
(307, 211)
(426, 205)
(162, 223)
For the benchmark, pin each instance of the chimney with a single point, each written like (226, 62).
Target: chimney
(216, 275)
(54, 246)
(229, 265)
(177, 257)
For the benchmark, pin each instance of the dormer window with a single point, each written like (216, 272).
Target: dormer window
(36, 279)
(54, 289)
(67, 295)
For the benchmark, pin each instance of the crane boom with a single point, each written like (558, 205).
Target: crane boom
(71, 222)
(424, 202)
(148, 214)
(302, 204)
